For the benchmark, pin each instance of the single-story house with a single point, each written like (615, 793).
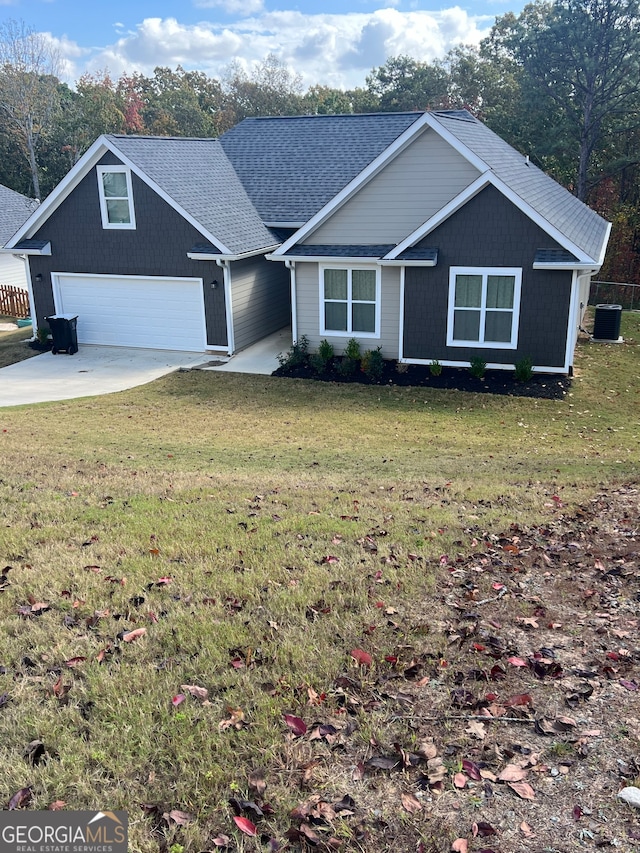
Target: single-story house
(14, 210)
(422, 233)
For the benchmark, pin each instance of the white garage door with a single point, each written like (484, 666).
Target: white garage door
(131, 311)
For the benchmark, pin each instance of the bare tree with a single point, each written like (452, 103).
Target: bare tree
(29, 67)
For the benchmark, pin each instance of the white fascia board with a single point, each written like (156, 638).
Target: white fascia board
(539, 220)
(444, 213)
(354, 185)
(61, 191)
(456, 144)
(407, 263)
(166, 197)
(605, 243)
(45, 250)
(568, 266)
(218, 256)
(325, 259)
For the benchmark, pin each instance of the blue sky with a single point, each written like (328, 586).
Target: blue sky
(333, 42)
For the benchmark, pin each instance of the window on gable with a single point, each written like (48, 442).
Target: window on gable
(350, 301)
(484, 306)
(116, 197)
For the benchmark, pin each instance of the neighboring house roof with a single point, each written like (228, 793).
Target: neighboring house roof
(578, 222)
(15, 209)
(292, 166)
(197, 175)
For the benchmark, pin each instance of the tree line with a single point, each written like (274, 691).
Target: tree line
(560, 82)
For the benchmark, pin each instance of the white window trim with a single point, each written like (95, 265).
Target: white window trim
(516, 272)
(350, 269)
(128, 226)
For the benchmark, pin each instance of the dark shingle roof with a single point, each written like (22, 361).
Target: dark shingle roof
(419, 253)
(581, 225)
(14, 210)
(336, 250)
(292, 166)
(554, 256)
(197, 175)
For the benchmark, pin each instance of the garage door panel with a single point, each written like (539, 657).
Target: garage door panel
(153, 313)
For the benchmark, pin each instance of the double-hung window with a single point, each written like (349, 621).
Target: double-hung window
(116, 197)
(350, 301)
(484, 306)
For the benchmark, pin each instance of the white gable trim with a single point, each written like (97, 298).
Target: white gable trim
(473, 189)
(444, 213)
(82, 168)
(353, 186)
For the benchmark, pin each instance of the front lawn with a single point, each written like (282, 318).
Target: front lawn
(13, 344)
(356, 618)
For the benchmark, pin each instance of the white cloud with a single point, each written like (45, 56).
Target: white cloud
(331, 49)
(232, 7)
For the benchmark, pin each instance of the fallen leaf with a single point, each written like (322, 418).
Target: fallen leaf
(245, 825)
(512, 773)
(361, 657)
(460, 845)
(411, 803)
(471, 769)
(222, 840)
(193, 690)
(130, 636)
(20, 798)
(526, 830)
(477, 729)
(519, 699)
(257, 782)
(178, 817)
(523, 790)
(178, 699)
(515, 661)
(56, 806)
(460, 780)
(297, 726)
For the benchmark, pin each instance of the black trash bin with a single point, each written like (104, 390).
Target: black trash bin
(606, 323)
(63, 333)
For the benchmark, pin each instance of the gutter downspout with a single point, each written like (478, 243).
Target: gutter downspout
(32, 301)
(228, 303)
(291, 266)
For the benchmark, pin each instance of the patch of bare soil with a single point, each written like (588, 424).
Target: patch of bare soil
(504, 712)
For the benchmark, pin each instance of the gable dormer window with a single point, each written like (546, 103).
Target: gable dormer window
(116, 197)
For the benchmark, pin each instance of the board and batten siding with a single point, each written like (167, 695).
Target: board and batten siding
(408, 191)
(261, 299)
(309, 312)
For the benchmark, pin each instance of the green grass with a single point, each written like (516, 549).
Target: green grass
(238, 489)
(13, 346)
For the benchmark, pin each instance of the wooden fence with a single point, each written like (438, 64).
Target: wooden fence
(14, 302)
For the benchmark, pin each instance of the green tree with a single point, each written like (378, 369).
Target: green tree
(271, 89)
(582, 58)
(403, 83)
(29, 66)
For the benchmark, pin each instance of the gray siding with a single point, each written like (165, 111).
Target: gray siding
(408, 191)
(158, 246)
(261, 299)
(308, 293)
(488, 231)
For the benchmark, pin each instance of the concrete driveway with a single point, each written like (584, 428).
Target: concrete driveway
(91, 371)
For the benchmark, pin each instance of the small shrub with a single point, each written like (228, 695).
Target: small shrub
(297, 354)
(319, 361)
(42, 335)
(372, 363)
(352, 350)
(435, 368)
(347, 366)
(477, 366)
(524, 369)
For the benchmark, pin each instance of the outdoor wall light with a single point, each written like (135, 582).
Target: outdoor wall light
(214, 284)
(39, 277)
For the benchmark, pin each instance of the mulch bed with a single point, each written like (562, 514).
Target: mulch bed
(543, 386)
